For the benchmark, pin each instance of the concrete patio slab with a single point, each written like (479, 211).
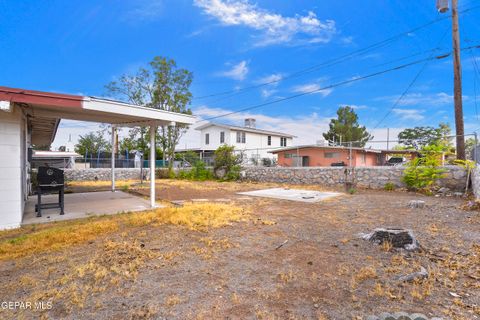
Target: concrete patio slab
(82, 205)
(292, 194)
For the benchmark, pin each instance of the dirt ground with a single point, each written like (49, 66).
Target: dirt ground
(324, 270)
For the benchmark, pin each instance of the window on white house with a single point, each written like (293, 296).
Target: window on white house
(222, 137)
(239, 137)
(332, 154)
(207, 138)
(244, 137)
(283, 142)
(269, 140)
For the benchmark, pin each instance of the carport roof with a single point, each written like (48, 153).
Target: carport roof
(46, 109)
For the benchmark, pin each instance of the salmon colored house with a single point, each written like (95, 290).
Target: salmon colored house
(326, 156)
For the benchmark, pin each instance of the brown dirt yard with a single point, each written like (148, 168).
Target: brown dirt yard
(222, 261)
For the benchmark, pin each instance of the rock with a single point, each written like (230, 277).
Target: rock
(422, 274)
(372, 318)
(458, 194)
(401, 316)
(443, 190)
(418, 316)
(399, 238)
(416, 204)
(386, 316)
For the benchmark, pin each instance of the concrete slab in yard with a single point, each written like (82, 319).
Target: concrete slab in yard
(292, 194)
(82, 205)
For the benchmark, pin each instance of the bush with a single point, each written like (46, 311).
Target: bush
(421, 173)
(352, 190)
(389, 186)
(197, 172)
(227, 163)
(162, 173)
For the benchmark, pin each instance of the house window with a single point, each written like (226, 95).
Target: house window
(283, 142)
(332, 154)
(289, 155)
(269, 140)
(241, 137)
(222, 137)
(207, 138)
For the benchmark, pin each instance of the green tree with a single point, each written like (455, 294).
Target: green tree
(347, 129)
(91, 143)
(418, 137)
(162, 85)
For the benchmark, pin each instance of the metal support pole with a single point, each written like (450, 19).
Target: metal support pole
(475, 149)
(113, 159)
(153, 130)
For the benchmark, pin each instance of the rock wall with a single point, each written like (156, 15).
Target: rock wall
(476, 182)
(105, 174)
(366, 177)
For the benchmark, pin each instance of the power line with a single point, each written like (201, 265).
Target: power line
(410, 85)
(334, 61)
(371, 67)
(336, 84)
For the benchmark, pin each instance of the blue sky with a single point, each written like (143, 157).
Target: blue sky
(78, 47)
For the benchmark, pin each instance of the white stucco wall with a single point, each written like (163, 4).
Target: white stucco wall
(11, 197)
(255, 146)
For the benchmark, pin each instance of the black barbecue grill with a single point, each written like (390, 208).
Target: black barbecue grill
(50, 180)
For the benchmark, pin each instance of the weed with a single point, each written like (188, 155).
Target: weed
(389, 186)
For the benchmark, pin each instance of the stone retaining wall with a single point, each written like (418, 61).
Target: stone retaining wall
(476, 182)
(367, 177)
(105, 174)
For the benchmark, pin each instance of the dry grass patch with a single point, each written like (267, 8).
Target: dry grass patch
(101, 183)
(55, 238)
(195, 216)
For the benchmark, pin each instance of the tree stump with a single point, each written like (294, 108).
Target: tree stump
(398, 238)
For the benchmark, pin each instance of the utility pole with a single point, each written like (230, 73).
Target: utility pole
(457, 87)
(388, 137)
(442, 6)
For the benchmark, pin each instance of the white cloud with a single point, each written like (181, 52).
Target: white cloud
(237, 72)
(275, 28)
(312, 88)
(409, 114)
(267, 92)
(272, 79)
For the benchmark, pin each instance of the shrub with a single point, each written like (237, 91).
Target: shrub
(197, 172)
(162, 173)
(352, 190)
(389, 186)
(227, 162)
(421, 173)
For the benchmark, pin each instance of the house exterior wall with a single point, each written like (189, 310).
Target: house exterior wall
(317, 157)
(12, 168)
(255, 146)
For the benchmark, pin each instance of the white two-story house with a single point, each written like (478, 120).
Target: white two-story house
(254, 144)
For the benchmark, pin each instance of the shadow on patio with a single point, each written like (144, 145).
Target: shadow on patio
(83, 205)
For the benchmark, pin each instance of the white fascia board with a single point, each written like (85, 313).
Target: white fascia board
(137, 113)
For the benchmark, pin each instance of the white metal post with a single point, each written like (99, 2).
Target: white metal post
(153, 130)
(113, 159)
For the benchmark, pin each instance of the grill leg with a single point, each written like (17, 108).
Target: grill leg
(61, 198)
(39, 203)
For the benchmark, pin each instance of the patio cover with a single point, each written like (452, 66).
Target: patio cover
(46, 109)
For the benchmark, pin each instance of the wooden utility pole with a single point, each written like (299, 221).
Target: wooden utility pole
(457, 85)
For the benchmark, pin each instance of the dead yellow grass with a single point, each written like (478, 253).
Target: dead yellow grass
(55, 238)
(92, 183)
(195, 216)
